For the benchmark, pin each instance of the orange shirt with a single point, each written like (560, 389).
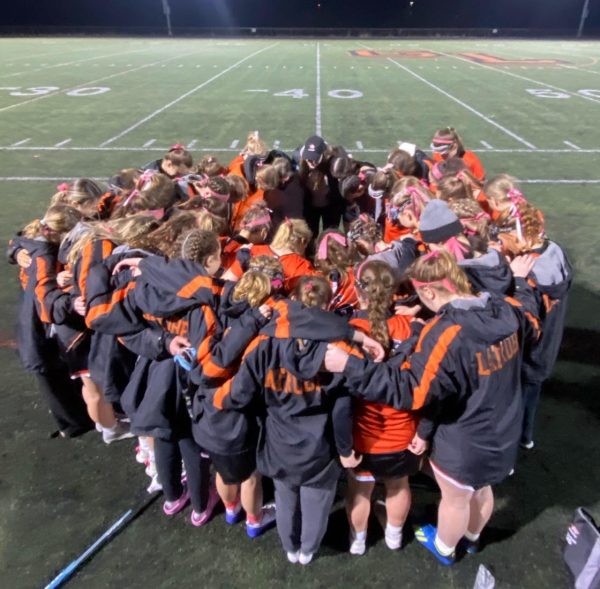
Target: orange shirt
(393, 231)
(294, 265)
(238, 210)
(377, 428)
(472, 162)
(345, 293)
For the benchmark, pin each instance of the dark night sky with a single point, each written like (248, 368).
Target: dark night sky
(302, 13)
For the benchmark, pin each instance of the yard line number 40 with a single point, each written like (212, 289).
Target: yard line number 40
(549, 93)
(42, 90)
(343, 93)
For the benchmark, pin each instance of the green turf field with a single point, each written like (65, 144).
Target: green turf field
(88, 107)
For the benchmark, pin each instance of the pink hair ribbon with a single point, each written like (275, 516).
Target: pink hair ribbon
(436, 171)
(176, 146)
(264, 220)
(516, 198)
(322, 252)
(445, 283)
(63, 187)
(456, 248)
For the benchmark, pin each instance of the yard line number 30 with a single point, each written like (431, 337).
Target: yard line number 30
(42, 90)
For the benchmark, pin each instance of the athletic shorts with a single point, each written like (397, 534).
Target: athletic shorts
(387, 466)
(234, 468)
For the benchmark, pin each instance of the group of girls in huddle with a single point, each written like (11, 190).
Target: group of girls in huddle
(292, 316)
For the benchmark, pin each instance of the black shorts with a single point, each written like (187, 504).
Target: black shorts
(387, 466)
(235, 468)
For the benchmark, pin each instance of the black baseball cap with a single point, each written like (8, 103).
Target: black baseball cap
(313, 149)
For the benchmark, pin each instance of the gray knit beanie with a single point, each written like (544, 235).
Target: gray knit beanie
(438, 223)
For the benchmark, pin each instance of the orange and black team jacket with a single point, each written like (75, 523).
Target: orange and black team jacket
(551, 278)
(466, 371)
(379, 428)
(294, 265)
(306, 419)
(221, 329)
(40, 305)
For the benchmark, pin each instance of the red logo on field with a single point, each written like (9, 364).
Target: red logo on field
(482, 58)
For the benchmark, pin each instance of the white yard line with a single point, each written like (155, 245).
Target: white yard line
(183, 96)
(549, 181)
(234, 147)
(66, 63)
(149, 143)
(486, 145)
(318, 120)
(513, 75)
(91, 82)
(464, 105)
(576, 147)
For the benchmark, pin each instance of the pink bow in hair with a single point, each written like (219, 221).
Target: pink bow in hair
(322, 253)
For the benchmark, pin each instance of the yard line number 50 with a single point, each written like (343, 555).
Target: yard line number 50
(42, 90)
(549, 93)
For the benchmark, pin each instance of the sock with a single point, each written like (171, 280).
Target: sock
(231, 507)
(395, 530)
(471, 537)
(360, 536)
(442, 548)
(253, 519)
(144, 445)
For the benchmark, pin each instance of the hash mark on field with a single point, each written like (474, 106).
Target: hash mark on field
(183, 96)
(22, 142)
(359, 145)
(63, 143)
(276, 144)
(149, 143)
(572, 145)
(192, 143)
(234, 144)
(486, 145)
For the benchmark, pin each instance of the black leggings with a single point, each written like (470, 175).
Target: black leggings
(168, 455)
(66, 404)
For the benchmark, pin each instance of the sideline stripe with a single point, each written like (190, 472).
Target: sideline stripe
(464, 105)
(318, 123)
(185, 95)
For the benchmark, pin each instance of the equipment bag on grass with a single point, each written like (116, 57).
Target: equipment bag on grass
(582, 550)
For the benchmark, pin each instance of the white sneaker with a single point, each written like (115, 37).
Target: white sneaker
(357, 547)
(527, 445)
(305, 558)
(119, 432)
(393, 540)
(154, 486)
(293, 556)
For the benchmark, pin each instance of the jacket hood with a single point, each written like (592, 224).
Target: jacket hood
(552, 271)
(483, 318)
(38, 246)
(303, 358)
(488, 273)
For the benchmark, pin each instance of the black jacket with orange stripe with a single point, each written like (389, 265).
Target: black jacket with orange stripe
(221, 329)
(489, 272)
(37, 348)
(466, 370)
(307, 418)
(552, 276)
